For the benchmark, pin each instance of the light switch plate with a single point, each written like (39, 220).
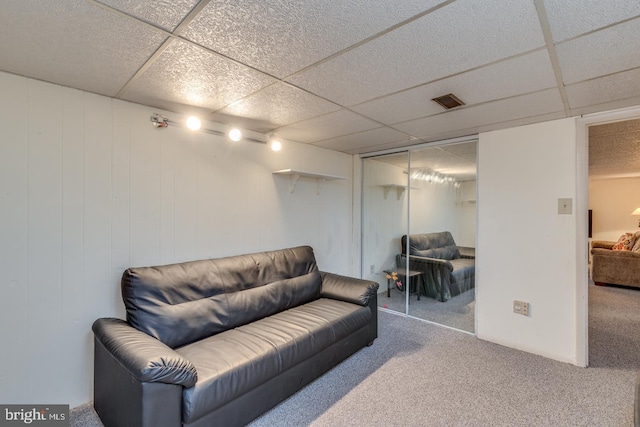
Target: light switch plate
(565, 206)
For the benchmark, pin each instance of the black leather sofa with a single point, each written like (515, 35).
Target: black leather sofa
(221, 341)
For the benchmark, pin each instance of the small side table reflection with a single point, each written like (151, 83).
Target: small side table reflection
(416, 281)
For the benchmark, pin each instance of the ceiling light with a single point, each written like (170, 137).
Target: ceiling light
(193, 123)
(235, 134)
(159, 121)
(448, 101)
(276, 145)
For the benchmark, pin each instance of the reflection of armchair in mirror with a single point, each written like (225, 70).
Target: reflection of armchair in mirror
(448, 270)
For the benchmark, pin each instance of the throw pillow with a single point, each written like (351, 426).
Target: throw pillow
(625, 242)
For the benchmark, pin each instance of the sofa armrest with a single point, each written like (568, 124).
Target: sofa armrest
(348, 289)
(146, 358)
(467, 252)
(603, 244)
(421, 260)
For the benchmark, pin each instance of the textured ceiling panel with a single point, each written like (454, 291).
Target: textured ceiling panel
(385, 146)
(442, 160)
(166, 14)
(363, 139)
(605, 89)
(188, 74)
(615, 129)
(614, 149)
(281, 37)
(516, 76)
(382, 59)
(280, 104)
(73, 43)
(529, 105)
(593, 55)
(331, 125)
(570, 18)
(460, 36)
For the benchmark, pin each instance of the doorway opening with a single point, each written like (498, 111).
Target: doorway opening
(614, 197)
(583, 243)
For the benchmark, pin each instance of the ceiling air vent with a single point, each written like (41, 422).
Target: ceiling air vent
(448, 101)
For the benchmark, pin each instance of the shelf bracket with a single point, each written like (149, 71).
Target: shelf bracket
(388, 188)
(293, 180)
(319, 178)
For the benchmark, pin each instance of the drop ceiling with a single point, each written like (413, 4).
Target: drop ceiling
(352, 76)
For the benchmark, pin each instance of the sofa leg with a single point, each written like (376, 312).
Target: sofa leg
(370, 343)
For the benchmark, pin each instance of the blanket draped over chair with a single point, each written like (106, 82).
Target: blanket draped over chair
(446, 271)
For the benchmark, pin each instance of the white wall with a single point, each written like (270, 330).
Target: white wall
(612, 201)
(466, 229)
(433, 208)
(526, 250)
(385, 218)
(89, 188)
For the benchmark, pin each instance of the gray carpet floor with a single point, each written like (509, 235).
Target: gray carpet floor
(418, 374)
(458, 312)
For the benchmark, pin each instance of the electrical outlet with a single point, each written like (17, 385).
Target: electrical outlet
(521, 307)
(373, 269)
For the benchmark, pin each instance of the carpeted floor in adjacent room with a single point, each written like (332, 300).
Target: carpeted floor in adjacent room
(418, 374)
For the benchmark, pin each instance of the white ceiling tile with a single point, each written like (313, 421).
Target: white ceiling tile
(515, 76)
(530, 105)
(604, 52)
(331, 125)
(73, 43)
(609, 88)
(280, 104)
(281, 37)
(162, 13)
(570, 18)
(458, 37)
(362, 139)
(188, 74)
(386, 146)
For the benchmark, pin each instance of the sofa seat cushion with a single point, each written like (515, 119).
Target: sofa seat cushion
(464, 269)
(463, 266)
(233, 362)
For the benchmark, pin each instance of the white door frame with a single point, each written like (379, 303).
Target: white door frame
(582, 206)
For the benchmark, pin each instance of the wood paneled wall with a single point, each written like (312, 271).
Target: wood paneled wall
(89, 187)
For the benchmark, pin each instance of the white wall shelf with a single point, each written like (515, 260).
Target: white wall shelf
(400, 189)
(295, 175)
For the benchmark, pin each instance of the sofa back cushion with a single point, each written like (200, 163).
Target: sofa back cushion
(182, 303)
(447, 252)
(418, 243)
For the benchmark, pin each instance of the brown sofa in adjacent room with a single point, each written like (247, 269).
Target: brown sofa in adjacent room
(616, 267)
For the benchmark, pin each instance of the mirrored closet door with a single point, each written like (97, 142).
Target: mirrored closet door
(419, 232)
(385, 202)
